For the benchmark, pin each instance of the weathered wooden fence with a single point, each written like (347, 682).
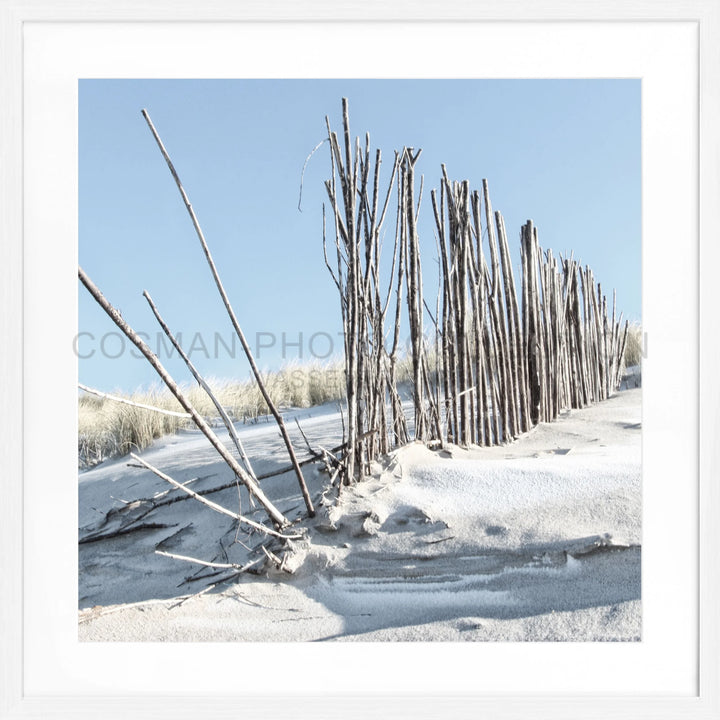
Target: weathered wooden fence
(503, 361)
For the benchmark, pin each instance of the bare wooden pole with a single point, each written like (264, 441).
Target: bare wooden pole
(480, 316)
(347, 238)
(359, 212)
(615, 327)
(200, 380)
(545, 334)
(493, 368)
(463, 243)
(275, 515)
(499, 316)
(513, 316)
(478, 349)
(581, 334)
(448, 315)
(234, 320)
(532, 331)
(414, 297)
(541, 329)
(556, 335)
(400, 431)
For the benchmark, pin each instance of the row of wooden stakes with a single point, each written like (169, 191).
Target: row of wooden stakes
(500, 361)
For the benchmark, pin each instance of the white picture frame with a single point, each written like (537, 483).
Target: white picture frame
(16, 508)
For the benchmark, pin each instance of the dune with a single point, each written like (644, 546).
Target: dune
(538, 540)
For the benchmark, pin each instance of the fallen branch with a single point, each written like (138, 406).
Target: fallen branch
(280, 564)
(329, 458)
(203, 591)
(93, 613)
(287, 468)
(331, 483)
(212, 505)
(164, 493)
(231, 566)
(124, 530)
(226, 486)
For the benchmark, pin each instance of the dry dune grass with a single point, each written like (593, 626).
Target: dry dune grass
(634, 347)
(107, 428)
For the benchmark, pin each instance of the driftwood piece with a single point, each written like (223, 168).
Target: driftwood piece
(205, 563)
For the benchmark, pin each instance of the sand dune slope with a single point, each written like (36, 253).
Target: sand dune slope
(538, 540)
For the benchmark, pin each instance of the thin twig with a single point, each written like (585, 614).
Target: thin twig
(125, 401)
(212, 505)
(307, 442)
(280, 564)
(232, 566)
(302, 174)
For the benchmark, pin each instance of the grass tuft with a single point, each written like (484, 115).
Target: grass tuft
(634, 346)
(107, 428)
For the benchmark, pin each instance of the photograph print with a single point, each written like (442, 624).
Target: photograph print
(359, 360)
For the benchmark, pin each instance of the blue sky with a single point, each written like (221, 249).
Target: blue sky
(564, 153)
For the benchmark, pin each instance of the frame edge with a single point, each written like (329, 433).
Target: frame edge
(11, 361)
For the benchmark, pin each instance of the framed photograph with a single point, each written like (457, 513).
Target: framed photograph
(69, 68)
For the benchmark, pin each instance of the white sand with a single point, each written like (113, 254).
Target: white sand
(538, 540)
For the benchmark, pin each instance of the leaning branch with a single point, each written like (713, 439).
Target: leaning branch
(275, 515)
(233, 318)
(201, 381)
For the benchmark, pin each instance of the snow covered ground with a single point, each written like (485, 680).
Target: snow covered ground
(538, 540)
